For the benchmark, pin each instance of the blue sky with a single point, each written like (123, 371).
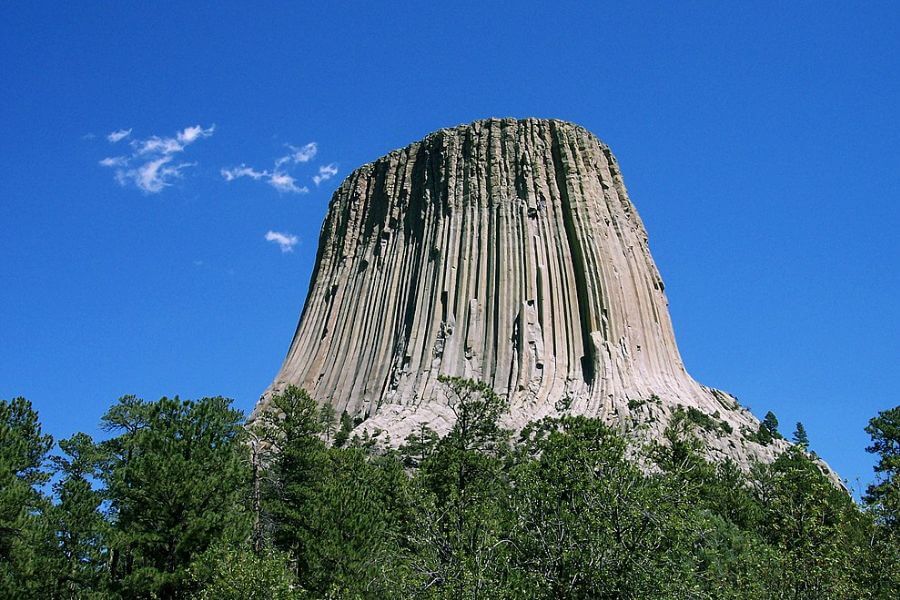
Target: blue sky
(759, 144)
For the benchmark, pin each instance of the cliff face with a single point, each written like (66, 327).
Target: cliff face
(506, 251)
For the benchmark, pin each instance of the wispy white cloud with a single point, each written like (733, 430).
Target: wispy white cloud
(117, 136)
(303, 154)
(285, 183)
(243, 171)
(278, 177)
(156, 145)
(154, 175)
(151, 167)
(285, 241)
(280, 180)
(326, 172)
(189, 135)
(170, 145)
(114, 161)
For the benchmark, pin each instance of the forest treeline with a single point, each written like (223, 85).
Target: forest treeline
(184, 500)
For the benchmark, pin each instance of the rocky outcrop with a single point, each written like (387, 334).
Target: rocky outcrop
(507, 251)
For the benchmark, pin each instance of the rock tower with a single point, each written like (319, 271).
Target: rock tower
(506, 251)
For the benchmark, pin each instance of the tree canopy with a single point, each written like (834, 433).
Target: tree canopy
(186, 500)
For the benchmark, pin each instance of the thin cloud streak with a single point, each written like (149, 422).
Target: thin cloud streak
(285, 183)
(304, 154)
(243, 171)
(117, 136)
(278, 177)
(326, 172)
(191, 134)
(285, 241)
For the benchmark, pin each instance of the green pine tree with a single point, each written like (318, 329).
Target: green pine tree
(343, 434)
(177, 477)
(458, 487)
(76, 518)
(23, 539)
(812, 523)
(884, 430)
(800, 437)
(419, 446)
(770, 423)
(335, 511)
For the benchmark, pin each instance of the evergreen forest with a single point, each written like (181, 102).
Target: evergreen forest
(185, 499)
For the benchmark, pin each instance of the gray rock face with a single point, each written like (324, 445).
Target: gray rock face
(507, 251)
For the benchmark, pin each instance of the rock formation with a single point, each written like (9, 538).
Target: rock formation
(507, 251)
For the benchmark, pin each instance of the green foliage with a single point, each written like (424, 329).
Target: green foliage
(760, 436)
(184, 502)
(326, 421)
(770, 424)
(235, 572)
(418, 447)
(76, 519)
(23, 447)
(884, 495)
(702, 419)
(23, 450)
(711, 423)
(477, 409)
(589, 524)
(298, 452)
(680, 451)
(334, 511)
(883, 501)
(800, 436)
(636, 404)
(355, 511)
(457, 490)
(767, 432)
(811, 523)
(176, 478)
(343, 434)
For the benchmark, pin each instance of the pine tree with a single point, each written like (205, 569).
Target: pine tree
(335, 511)
(233, 572)
(326, 420)
(343, 434)
(459, 484)
(800, 437)
(23, 450)
(885, 493)
(418, 446)
(770, 422)
(589, 524)
(298, 453)
(883, 501)
(177, 479)
(811, 522)
(76, 520)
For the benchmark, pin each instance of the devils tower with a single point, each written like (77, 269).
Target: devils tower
(506, 251)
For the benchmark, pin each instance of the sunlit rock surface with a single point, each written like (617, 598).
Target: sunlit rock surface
(507, 251)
